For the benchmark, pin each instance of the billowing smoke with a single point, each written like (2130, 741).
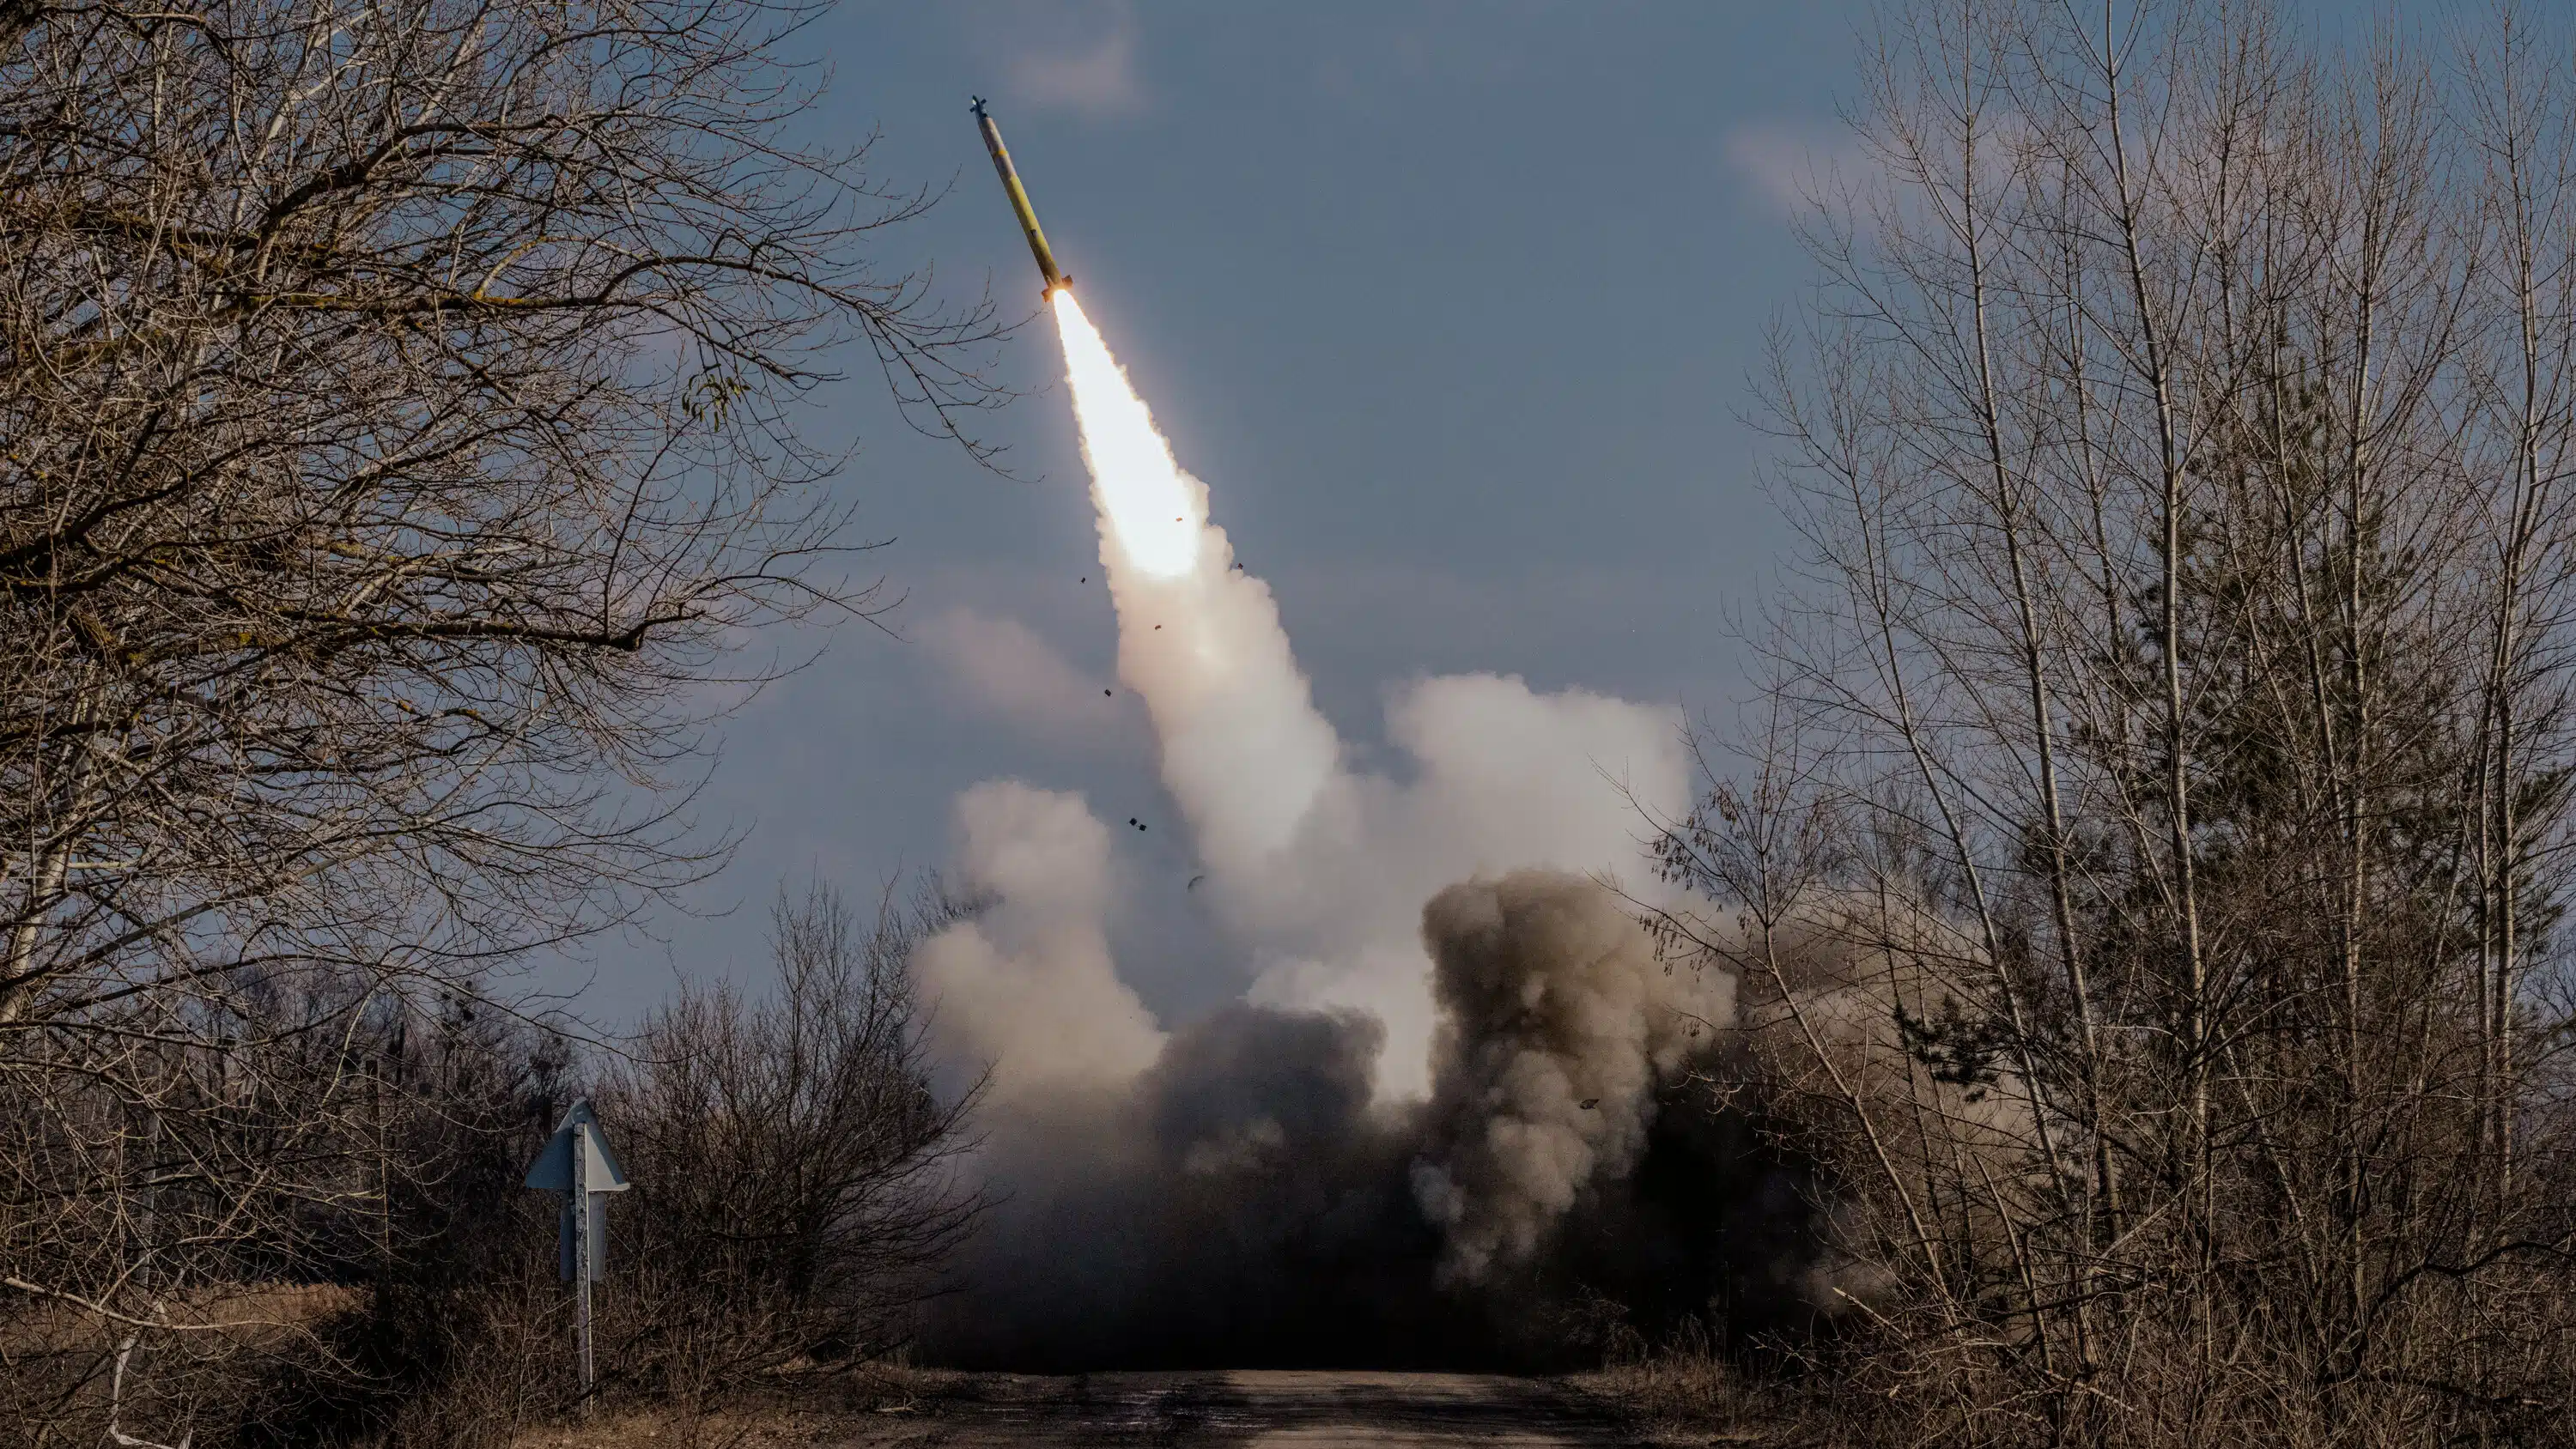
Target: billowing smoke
(1249, 1198)
(1027, 985)
(1558, 1024)
(1456, 1101)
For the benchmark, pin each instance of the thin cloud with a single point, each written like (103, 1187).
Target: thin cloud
(1075, 55)
(1789, 164)
(1001, 667)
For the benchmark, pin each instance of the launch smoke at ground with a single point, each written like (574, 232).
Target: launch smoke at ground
(1350, 1165)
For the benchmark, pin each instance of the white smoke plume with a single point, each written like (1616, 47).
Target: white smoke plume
(1027, 987)
(1307, 1156)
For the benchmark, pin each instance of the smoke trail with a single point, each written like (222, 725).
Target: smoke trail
(1302, 1178)
(1244, 751)
(1320, 873)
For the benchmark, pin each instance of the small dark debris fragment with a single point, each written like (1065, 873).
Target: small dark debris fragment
(1591, 1102)
(1104, 694)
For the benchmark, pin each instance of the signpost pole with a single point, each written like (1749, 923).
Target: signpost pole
(582, 1251)
(577, 1162)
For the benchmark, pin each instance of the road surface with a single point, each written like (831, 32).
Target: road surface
(1248, 1409)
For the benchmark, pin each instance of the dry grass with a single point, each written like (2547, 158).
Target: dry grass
(866, 1406)
(260, 1315)
(1685, 1392)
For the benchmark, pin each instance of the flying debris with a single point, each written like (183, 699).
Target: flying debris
(1056, 280)
(1194, 882)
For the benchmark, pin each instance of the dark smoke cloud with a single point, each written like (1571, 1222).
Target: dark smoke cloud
(1241, 1202)
(1557, 1023)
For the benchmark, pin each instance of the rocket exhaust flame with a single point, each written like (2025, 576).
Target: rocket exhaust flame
(1153, 511)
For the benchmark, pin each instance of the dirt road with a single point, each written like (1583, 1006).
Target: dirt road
(1249, 1410)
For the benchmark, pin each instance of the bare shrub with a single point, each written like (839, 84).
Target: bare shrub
(792, 1161)
(791, 1204)
(1681, 1387)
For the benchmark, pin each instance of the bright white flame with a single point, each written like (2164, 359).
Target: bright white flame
(1151, 510)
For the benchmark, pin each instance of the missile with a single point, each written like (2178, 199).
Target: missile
(1054, 275)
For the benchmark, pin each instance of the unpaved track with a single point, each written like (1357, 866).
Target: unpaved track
(1252, 1410)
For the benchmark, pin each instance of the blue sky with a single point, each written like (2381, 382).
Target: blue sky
(1452, 304)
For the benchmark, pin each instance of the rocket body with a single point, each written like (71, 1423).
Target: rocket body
(1047, 269)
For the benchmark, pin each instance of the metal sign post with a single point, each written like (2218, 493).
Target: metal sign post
(578, 1164)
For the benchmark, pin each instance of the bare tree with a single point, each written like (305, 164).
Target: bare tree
(792, 1157)
(399, 407)
(2174, 731)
